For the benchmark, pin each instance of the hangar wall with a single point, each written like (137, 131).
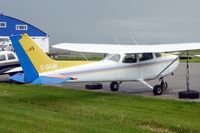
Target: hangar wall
(11, 26)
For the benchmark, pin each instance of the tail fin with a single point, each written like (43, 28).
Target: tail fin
(33, 60)
(24, 59)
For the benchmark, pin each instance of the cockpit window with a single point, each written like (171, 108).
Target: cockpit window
(2, 57)
(158, 55)
(130, 58)
(114, 57)
(145, 56)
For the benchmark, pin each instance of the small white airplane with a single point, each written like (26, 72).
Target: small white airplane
(124, 63)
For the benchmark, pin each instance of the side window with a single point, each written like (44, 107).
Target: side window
(2, 57)
(145, 56)
(130, 58)
(158, 55)
(115, 57)
(11, 57)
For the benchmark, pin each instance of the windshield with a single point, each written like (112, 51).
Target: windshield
(113, 57)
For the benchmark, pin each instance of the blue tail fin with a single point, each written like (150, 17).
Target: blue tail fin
(30, 73)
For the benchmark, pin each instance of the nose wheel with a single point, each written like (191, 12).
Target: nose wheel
(159, 88)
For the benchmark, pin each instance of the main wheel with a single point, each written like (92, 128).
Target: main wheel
(114, 86)
(164, 85)
(157, 90)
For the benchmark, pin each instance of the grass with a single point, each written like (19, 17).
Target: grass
(193, 60)
(41, 109)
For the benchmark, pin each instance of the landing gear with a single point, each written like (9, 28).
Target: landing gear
(158, 89)
(114, 86)
(164, 85)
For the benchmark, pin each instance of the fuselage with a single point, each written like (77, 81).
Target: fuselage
(121, 67)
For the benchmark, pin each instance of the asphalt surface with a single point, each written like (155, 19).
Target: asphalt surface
(176, 83)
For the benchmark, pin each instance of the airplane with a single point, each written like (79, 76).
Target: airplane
(123, 63)
(9, 63)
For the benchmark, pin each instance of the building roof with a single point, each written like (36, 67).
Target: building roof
(15, 26)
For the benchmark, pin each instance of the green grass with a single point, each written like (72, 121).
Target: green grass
(192, 53)
(40, 109)
(193, 60)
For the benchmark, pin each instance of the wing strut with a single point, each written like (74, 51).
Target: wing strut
(83, 56)
(170, 64)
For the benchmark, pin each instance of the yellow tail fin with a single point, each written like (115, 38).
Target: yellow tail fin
(40, 60)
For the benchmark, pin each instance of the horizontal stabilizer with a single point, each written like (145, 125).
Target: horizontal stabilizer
(19, 77)
(40, 80)
(50, 80)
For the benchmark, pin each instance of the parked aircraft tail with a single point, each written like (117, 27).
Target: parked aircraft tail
(34, 61)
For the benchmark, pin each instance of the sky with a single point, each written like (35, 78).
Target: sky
(105, 21)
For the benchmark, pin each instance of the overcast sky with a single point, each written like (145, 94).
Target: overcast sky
(100, 21)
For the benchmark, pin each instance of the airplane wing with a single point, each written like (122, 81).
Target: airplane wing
(113, 49)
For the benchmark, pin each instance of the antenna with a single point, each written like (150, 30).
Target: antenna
(116, 41)
(133, 39)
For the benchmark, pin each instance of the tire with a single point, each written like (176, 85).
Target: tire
(164, 85)
(94, 86)
(191, 94)
(114, 86)
(157, 90)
